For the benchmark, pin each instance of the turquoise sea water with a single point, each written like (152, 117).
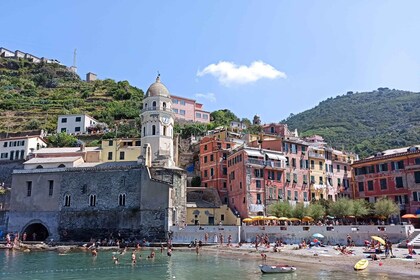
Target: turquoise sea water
(182, 265)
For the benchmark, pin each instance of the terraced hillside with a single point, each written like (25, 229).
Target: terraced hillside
(33, 95)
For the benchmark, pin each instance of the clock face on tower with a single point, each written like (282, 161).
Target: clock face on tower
(165, 119)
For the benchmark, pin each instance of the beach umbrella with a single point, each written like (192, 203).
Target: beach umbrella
(294, 219)
(307, 219)
(247, 220)
(379, 239)
(283, 219)
(409, 216)
(317, 235)
(271, 218)
(258, 218)
(330, 217)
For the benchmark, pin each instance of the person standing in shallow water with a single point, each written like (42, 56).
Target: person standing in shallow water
(133, 257)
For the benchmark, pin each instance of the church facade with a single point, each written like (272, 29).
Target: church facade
(131, 200)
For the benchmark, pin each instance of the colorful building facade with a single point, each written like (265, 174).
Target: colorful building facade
(392, 173)
(214, 150)
(255, 179)
(121, 149)
(189, 110)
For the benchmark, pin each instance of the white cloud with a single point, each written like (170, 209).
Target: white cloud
(229, 73)
(209, 96)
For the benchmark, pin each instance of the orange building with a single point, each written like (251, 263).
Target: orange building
(393, 173)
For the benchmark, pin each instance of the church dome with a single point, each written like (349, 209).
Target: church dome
(157, 89)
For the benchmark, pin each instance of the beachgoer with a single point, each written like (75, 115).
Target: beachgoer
(229, 240)
(161, 247)
(169, 253)
(197, 249)
(348, 240)
(206, 237)
(152, 254)
(263, 257)
(94, 252)
(390, 248)
(133, 257)
(24, 236)
(34, 236)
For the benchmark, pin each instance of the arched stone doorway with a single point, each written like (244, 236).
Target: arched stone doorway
(36, 232)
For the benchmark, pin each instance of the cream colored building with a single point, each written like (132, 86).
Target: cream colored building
(206, 213)
(18, 148)
(127, 149)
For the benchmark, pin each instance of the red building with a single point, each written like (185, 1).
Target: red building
(214, 150)
(255, 180)
(393, 173)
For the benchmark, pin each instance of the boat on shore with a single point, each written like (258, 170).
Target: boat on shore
(362, 264)
(279, 268)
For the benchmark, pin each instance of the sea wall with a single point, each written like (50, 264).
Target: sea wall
(292, 234)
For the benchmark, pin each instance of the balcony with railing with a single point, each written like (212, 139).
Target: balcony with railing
(266, 163)
(316, 155)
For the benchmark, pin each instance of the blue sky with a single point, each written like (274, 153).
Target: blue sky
(270, 58)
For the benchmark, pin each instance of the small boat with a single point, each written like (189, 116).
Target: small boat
(362, 264)
(279, 268)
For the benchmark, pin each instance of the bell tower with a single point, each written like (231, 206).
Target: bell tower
(157, 121)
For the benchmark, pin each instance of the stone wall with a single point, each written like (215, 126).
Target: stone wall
(6, 169)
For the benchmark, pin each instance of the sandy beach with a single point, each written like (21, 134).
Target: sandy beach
(323, 257)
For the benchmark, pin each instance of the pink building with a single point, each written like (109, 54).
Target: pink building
(255, 180)
(189, 110)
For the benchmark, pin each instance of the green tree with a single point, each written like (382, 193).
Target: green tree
(280, 209)
(223, 117)
(62, 140)
(386, 207)
(316, 211)
(341, 208)
(299, 211)
(360, 208)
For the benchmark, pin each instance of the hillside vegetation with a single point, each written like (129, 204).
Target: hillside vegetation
(32, 95)
(364, 122)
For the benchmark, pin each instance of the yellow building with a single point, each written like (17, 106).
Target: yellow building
(317, 173)
(205, 213)
(120, 149)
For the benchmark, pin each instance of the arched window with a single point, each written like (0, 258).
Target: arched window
(121, 199)
(61, 166)
(164, 130)
(164, 106)
(22, 153)
(92, 200)
(39, 167)
(153, 130)
(154, 105)
(67, 200)
(145, 106)
(144, 131)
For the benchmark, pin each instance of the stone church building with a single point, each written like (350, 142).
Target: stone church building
(64, 198)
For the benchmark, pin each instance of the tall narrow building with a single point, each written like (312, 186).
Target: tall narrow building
(157, 120)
